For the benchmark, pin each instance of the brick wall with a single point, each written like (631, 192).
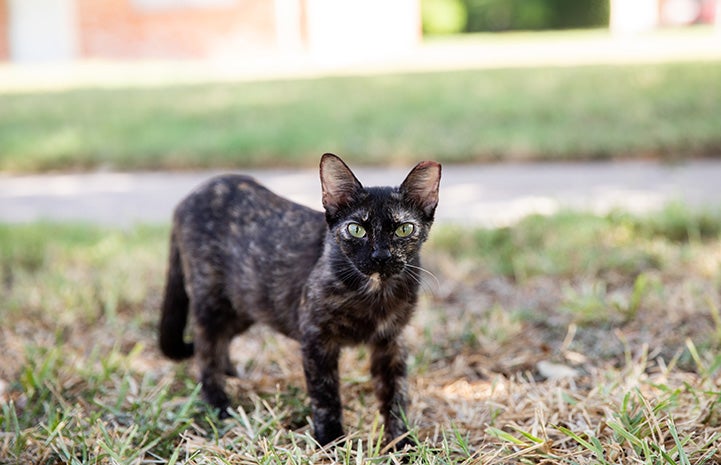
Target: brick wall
(4, 31)
(120, 29)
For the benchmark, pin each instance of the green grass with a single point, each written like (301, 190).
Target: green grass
(570, 243)
(668, 111)
(630, 303)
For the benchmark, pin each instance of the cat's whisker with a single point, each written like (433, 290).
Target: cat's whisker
(423, 283)
(416, 278)
(346, 271)
(428, 273)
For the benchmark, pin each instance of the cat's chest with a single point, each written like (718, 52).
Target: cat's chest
(361, 320)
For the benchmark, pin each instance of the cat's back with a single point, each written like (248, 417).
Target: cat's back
(237, 198)
(236, 205)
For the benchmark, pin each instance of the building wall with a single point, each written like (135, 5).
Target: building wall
(350, 30)
(4, 31)
(131, 29)
(334, 31)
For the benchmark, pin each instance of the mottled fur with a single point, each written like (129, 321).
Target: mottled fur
(240, 254)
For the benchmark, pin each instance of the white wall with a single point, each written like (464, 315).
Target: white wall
(630, 16)
(344, 31)
(42, 30)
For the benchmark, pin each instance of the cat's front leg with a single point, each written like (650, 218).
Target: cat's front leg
(388, 368)
(320, 364)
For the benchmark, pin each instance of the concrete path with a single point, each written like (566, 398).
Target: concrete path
(488, 195)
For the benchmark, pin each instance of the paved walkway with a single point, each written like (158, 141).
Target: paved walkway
(480, 194)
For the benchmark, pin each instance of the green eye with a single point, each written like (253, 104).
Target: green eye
(404, 230)
(356, 230)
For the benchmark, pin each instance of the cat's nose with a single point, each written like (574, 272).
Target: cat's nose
(381, 255)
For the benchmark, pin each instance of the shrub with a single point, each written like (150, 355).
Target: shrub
(507, 15)
(443, 16)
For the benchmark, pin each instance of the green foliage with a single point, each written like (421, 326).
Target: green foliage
(514, 15)
(443, 16)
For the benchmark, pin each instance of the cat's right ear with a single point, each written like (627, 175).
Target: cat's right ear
(338, 182)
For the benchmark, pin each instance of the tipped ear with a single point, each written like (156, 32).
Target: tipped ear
(421, 186)
(338, 182)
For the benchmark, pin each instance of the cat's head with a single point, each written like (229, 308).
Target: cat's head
(379, 229)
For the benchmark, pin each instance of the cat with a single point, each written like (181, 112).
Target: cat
(240, 254)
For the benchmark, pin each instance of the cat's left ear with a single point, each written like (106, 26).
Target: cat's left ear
(338, 182)
(421, 186)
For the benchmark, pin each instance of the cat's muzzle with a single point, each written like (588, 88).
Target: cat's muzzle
(386, 268)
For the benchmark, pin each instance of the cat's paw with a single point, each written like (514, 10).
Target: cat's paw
(403, 443)
(328, 433)
(217, 399)
(403, 448)
(220, 413)
(224, 414)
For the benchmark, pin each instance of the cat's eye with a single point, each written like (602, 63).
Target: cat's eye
(356, 230)
(404, 230)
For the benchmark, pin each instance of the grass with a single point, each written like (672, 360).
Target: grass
(666, 111)
(570, 339)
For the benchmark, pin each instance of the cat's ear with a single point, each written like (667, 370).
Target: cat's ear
(421, 186)
(338, 182)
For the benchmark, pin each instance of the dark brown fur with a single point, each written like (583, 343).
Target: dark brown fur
(240, 254)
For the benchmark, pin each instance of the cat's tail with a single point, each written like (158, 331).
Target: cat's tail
(174, 314)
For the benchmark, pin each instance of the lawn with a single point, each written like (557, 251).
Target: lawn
(666, 111)
(570, 339)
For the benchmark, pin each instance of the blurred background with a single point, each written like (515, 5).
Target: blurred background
(185, 85)
(52, 30)
(181, 84)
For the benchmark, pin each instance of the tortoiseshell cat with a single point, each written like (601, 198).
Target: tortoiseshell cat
(240, 254)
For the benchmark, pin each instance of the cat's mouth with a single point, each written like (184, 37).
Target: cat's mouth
(378, 275)
(377, 279)
(377, 272)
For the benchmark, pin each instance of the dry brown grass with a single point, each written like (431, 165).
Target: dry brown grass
(588, 364)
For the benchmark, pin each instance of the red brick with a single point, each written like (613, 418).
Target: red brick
(4, 31)
(120, 30)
